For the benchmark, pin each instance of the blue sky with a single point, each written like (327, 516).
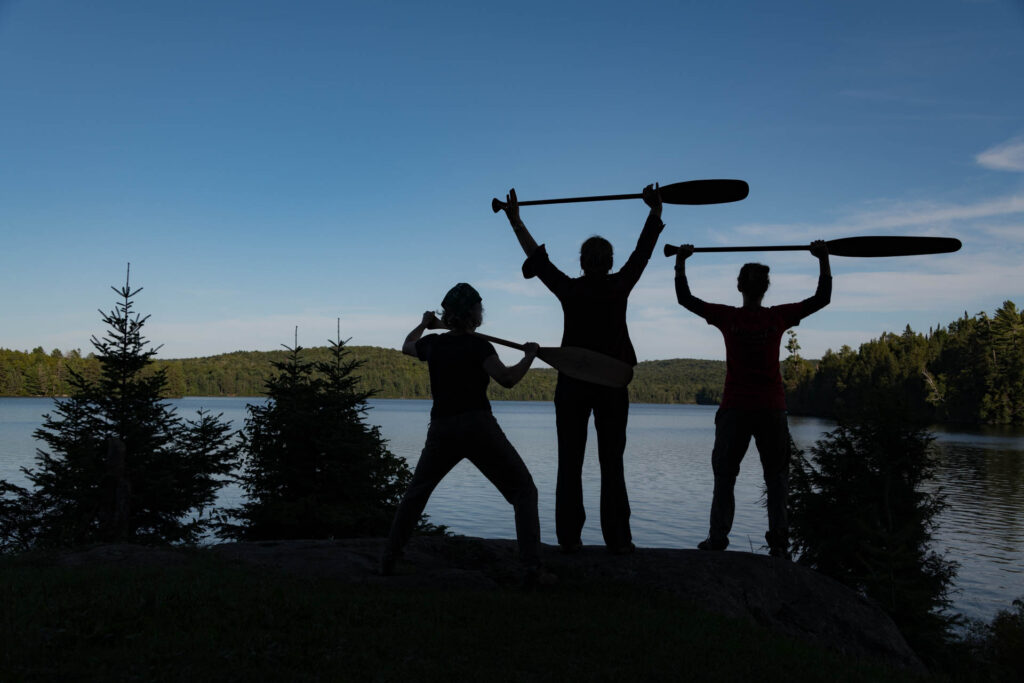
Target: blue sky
(264, 165)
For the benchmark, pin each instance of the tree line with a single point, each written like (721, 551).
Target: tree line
(970, 371)
(386, 373)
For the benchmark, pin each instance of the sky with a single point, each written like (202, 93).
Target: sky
(266, 165)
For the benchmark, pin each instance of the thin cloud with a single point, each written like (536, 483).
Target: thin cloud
(931, 214)
(1008, 156)
(932, 217)
(1008, 233)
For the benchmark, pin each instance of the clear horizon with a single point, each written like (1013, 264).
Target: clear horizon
(264, 165)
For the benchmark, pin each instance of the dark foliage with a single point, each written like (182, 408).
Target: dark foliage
(386, 373)
(969, 372)
(120, 465)
(1001, 646)
(17, 518)
(861, 513)
(313, 468)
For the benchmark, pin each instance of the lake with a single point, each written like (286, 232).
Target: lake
(668, 472)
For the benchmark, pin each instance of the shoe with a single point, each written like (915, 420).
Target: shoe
(627, 549)
(570, 548)
(710, 543)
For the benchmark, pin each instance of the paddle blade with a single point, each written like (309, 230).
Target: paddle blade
(705, 192)
(892, 245)
(587, 365)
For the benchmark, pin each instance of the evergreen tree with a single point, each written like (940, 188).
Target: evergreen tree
(971, 371)
(17, 518)
(313, 468)
(120, 465)
(1004, 400)
(860, 514)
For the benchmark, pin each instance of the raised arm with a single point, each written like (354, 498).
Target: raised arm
(653, 225)
(637, 261)
(526, 240)
(683, 295)
(509, 375)
(537, 263)
(429, 322)
(823, 294)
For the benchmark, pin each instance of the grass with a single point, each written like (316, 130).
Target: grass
(210, 620)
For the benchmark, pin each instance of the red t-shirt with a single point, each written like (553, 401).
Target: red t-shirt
(752, 339)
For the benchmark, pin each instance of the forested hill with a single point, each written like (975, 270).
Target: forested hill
(388, 372)
(970, 371)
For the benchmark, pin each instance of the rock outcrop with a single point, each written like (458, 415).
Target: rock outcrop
(777, 594)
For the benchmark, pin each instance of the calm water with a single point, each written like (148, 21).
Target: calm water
(668, 472)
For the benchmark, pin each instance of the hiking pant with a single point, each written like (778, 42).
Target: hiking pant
(574, 401)
(477, 437)
(733, 429)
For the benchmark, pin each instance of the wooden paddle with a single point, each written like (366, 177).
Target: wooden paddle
(717, 191)
(578, 363)
(862, 247)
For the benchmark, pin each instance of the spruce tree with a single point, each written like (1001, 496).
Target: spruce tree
(313, 468)
(120, 465)
(860, 512)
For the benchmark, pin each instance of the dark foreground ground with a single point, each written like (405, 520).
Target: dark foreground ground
(457, 610)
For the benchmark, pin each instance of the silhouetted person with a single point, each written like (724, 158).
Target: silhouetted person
(594, 311)
(754, 401)
(462, 425)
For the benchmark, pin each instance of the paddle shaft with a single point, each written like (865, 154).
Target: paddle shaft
(582, 364)
(713, 191)
(570, 200)
(787, 247)
(670, 250)
(865, 247)
(496, 340)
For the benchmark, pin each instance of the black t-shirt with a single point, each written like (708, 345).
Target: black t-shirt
(594, 306)
(458, 381)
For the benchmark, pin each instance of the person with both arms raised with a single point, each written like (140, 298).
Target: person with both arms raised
(594, 310)
(462, 425)
(754, 400)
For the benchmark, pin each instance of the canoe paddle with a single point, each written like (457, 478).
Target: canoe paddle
(578, 363)
(688, 192)
(862, 247)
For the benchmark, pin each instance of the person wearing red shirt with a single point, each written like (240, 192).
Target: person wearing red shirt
(754, 400)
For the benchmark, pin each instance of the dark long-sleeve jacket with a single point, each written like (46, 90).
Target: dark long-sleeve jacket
(594, 306)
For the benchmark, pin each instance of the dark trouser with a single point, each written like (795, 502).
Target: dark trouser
(574, 401)
(478, 437)
(733, 429)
